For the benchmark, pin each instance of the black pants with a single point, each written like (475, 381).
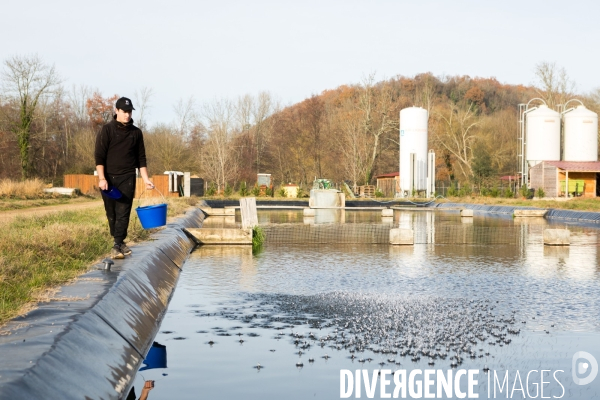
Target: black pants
(118, 211)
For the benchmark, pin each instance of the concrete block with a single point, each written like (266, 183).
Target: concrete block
(309, 212)
(399, 236)
(387, 212)
(557, 237)
(222, 236)
(387, 220)
(326, 198)
(466, 220)
(466, 213)
(530, 213)
(218, 211)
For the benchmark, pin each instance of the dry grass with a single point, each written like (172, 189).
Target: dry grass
(28, 189)
(43, 252)
(38, 254)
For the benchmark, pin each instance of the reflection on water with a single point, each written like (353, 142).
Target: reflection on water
(458, 296)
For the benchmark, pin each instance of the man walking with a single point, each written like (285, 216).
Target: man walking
(119, 151)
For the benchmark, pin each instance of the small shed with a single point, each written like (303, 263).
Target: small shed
(389, 184)
(578, 178)
(291, 190)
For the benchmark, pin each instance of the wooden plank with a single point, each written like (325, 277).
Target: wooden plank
(248, 211)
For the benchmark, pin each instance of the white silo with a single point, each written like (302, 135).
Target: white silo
(580, 135)
(413, 150)
(542, 135)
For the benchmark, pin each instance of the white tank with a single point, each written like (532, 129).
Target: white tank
(581, 135)
(543, 135)
(413, 139)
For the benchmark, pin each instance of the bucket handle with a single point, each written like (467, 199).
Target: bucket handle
(144, 191)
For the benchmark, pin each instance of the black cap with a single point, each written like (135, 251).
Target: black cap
(124, 104)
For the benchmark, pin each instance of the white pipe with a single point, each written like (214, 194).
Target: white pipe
(565, 105)
(525, 175)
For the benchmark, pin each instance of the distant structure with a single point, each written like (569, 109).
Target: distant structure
(563, 141)
(417, 166)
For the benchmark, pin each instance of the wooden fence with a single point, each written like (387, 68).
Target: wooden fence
(88, 184)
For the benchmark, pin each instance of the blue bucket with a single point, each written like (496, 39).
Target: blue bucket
(152, 216)
(156, 358)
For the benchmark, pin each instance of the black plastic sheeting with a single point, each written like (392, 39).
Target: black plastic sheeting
(236, 203)
(587, 218)
(304, 203)
(92, 347)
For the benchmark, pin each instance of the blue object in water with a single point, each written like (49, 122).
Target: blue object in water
(156, 358)
(152, 216)
(112, 193)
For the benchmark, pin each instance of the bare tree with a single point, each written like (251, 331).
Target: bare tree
(185, 114)
(251, 115)
(353, 144)
(553, 84)
(77, 98)
(454, 129)
(263, 108)
(425, 91)
(27, 79)
(142, 101)
(378, 118)
(219, 156)
(168, 150)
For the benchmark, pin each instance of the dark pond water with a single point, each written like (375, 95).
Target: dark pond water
(494, 298)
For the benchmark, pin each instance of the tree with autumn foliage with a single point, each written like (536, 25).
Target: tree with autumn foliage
(100, 109)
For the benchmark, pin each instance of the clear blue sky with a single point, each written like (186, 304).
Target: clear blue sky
(294, 49)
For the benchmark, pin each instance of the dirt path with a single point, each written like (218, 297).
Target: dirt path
(8, 216)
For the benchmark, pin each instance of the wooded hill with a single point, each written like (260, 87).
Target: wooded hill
(349, 133)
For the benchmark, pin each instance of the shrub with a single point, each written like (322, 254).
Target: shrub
(524, 191)
(464, 191)
(541, 193)
(300, 192)
(244, 189)
(258, 238)
(495, 192)
(282, 192)
(228, 190)
(452, 191)
(485, 191)
(255, 191)
(211, 190)
(269, 191)
(509, 194)
(378, 193)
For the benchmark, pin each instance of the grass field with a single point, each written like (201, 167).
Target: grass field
(39, 253)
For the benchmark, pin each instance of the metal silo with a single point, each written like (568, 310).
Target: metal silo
(413, 150)
(580, 135)
(542, 135)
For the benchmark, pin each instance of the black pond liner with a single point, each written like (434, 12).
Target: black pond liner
(582, 218)
(218, 203)
(96, 349)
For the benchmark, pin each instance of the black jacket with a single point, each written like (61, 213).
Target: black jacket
(120, 148)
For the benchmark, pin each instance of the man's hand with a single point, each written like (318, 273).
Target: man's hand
(103, 184)
(148, 386)
(149, 184)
